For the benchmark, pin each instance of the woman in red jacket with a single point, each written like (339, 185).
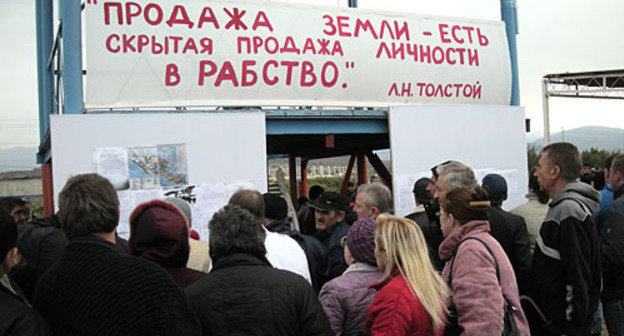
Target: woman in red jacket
(411, 297)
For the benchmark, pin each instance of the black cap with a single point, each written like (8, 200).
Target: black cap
(330, 201)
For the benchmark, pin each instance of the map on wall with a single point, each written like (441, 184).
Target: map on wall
(146, 167)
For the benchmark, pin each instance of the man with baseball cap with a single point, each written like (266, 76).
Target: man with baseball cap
(329, 215)
(516, 240)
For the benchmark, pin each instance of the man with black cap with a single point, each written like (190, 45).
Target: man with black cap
(516, 245)
(430, 228)
(329, 214)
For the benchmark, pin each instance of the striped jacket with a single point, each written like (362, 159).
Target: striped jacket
(566, 262)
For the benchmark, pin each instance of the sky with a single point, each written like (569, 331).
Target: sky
(554, 36)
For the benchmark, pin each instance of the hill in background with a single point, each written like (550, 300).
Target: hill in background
(585, 138)
(610, 139)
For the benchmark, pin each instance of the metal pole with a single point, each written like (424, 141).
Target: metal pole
(508, 14)
(545, 111)
(71, 53)
(45, 40)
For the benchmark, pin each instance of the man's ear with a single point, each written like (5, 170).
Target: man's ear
(555, 171)
(341, 216)
(8, 258)
(375, 211)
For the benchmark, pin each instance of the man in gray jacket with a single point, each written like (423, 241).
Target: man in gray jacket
(566, 262)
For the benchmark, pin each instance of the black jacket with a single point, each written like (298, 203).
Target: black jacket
(566, 261)
(40, 243)
(433, 236)
(243, 295)
(330, 237)
(96, 289)
(612, 249)
(315, 252)
(17, 318)
(511, 232)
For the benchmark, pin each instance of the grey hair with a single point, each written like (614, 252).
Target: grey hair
(457, 175)
(378, 195)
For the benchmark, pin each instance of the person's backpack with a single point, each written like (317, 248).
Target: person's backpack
(452, 327)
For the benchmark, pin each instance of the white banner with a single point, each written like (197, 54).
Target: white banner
(213, 53)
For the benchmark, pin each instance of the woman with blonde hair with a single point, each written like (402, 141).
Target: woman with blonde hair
(411, 297)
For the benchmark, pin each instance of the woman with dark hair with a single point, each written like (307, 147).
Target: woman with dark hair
(477, 271)
(534, 210)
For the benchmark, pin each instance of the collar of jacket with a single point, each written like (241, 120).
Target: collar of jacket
(449, 244)
(360, 267)
(279, 226)
(378, 285)
(239, 259)
(619, 191)
(327, 232)
(94, 240)
(581, 192)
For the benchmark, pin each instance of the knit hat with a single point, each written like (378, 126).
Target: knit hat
(361, 241)
(183, 206)
(159, 232)
(496, 187)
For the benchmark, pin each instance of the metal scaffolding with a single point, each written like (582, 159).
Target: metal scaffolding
(594, 84)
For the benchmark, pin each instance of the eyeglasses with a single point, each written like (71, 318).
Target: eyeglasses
(343, 241)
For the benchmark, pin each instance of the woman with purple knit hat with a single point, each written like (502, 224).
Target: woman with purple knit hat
(345, 299)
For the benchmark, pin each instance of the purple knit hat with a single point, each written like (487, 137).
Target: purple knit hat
(361, 241)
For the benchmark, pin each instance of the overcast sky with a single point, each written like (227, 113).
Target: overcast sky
(555, 36)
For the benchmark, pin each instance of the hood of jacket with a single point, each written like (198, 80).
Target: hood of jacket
(579, 192)
(159, 232)
(450, 243)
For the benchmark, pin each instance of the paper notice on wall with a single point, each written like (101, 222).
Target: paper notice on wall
(404, 203)
(125, 209)
(232, 188)
(210, 198)
(111, 162)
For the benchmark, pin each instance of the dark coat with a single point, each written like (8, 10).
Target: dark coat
(433, 236)
(612, 249)
(511, 232)
(17, 317)
(330, 237)
(96, 289)
(243, 295)
(566, 261)
(316, 253)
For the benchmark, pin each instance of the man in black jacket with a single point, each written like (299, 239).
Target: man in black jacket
(566, 261)
(275, 220)
(612, 249)
(518, 249)
(17, 317)
(428, 225)
(243, 294)
(96, 289)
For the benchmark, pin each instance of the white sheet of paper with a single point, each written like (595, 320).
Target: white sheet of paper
(404, 202)
(111, 162)
(125, 208)
(232, 188)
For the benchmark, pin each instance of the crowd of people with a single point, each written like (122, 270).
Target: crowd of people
(458, 265)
